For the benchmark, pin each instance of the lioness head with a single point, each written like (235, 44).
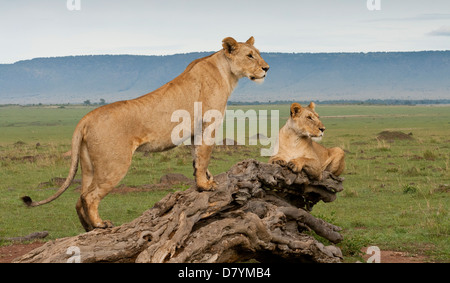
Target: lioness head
(245, 60)
(305, 121)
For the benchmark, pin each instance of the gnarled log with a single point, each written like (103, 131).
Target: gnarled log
(258, 211)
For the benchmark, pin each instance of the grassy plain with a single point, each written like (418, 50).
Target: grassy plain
(396, 192)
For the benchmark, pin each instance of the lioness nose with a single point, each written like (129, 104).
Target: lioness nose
(266, 68)
(322, 129)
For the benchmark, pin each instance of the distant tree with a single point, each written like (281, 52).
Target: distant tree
(102, 101)
(87, 102)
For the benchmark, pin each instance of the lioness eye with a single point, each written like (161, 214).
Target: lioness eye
(310, 118)
(250, 56)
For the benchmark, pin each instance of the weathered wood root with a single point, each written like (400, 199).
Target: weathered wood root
(258, 211)
(30, 237)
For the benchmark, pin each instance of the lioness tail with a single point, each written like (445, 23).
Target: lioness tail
(76, 142)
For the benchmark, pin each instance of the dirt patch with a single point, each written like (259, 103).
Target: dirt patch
(175, 178)
(359, 143)
(396, 257)
(394, 135)
(29, 158)
(124, 189)
(8, 253)
(19, 144)
(67, 154)
(57, 181)
(167, 182)
(443, 188)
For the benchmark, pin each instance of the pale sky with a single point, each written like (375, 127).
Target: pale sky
(47, 28)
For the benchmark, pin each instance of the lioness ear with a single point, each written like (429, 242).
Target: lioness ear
(312, 105)
(250, 41)
(229, 44)
(295, 109)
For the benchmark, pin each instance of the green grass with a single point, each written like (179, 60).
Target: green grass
(396, 193)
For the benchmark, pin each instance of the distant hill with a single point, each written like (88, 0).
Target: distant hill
(298, 76)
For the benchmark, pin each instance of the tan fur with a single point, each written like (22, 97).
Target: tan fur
(105, 139)
(299, 151)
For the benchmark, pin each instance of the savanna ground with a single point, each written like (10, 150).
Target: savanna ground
(396, 189)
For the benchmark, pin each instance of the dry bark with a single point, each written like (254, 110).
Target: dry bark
(259, 211)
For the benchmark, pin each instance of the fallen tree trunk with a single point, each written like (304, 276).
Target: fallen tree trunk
(259, 211)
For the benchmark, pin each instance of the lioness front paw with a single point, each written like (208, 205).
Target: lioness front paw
(294, 167)
(280, 162)
(209, 185)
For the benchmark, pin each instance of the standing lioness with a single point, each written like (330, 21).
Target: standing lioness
(298, 150)
(105, 139)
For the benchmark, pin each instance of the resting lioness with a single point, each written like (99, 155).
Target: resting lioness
(298, 150)
(105, 139)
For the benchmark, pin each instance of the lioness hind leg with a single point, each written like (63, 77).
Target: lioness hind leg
(90, 202)
(336, 161)
(107, 174)
(84, 220)
(87, 175)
